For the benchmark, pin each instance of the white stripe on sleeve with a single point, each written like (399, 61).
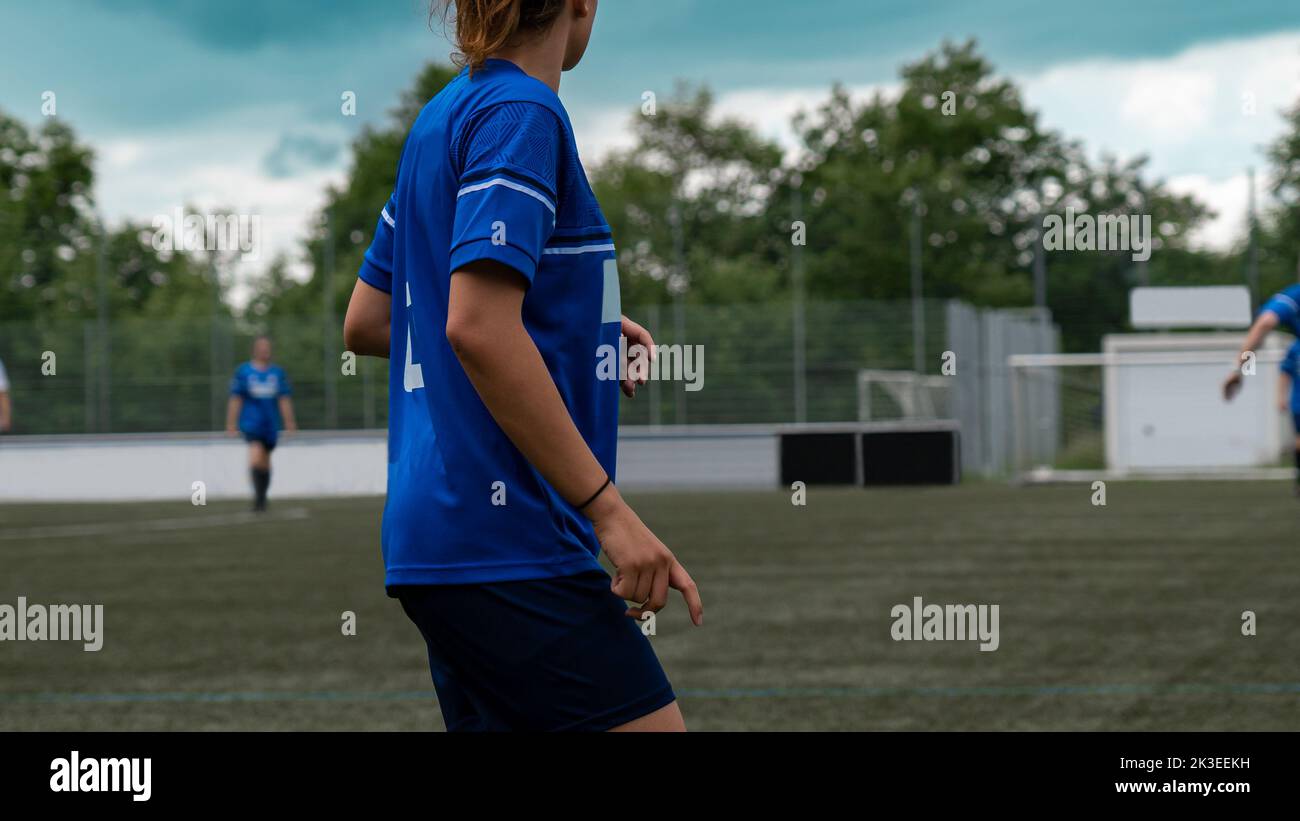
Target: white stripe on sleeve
(513, 186)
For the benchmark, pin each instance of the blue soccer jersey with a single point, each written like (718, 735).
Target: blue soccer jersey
(1286, 305)
(261, 391)
(1291, 367)
(490, 170)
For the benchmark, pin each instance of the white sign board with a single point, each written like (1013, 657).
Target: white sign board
(1211, 306)
(1170, 415)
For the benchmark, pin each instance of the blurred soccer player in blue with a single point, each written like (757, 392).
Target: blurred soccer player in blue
(1281, 311)
(259, 407)
(493, 275)
(6, 418)
(1288, 398)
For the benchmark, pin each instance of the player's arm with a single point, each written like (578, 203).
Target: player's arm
(486, 331)
(6, 412)
(285, 403)
(368, 323)
(233, 407)
(366, 328)
(286, 413)
(1266, 322)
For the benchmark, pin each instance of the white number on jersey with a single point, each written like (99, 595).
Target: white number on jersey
(413, 378)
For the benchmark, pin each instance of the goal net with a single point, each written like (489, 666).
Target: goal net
(896, 395)
(1144, 414)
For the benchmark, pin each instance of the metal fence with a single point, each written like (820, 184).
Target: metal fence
(168, 375)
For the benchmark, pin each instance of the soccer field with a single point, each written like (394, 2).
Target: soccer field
(1126, 616)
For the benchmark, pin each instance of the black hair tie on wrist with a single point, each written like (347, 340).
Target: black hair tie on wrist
(608, 481)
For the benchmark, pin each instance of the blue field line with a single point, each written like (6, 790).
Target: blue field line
(207, 698)
(686, 693)
(993, 690)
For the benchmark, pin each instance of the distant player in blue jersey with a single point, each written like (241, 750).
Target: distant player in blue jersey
(1288, 398)
(5, 414)
(492, 278)
(259, 407)
(1281, 311)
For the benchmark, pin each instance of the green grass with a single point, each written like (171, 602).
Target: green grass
(1119, 617)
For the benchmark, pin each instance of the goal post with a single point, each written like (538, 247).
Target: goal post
(1146, 407)
(903, 395)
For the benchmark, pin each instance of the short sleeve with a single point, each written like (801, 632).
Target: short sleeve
(286, 389)
(377, 266)
(506, 201)
(239, 384)
(1284, 305)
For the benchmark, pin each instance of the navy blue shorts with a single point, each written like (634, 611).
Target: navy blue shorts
(541, 655)
(267, 442)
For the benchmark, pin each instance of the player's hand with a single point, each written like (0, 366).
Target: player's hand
(1231, 385)
(232, 432)
(636, 335)
(644, 568)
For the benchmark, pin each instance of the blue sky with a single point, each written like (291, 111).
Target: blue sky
(236, 103)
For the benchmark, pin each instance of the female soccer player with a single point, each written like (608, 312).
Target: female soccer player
(1288, 398)
(1282, 310)
(5, 417)
(259, 407)
(504, 288)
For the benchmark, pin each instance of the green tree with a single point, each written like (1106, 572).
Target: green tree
(958, 145)
(45, 218)
(52, 243)
(345, 225)
(1279, 252)
(689, 206)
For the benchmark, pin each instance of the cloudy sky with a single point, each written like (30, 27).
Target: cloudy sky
(237, 103)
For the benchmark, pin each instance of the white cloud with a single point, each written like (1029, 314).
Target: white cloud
(1190, 112)
(769, 112)
(219, 167)
(1169, 102)
(604, 132)
(1229, 200)
(1202, 116)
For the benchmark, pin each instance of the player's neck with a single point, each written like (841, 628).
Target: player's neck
(540, 57)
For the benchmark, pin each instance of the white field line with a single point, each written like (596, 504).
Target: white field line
(151, 525)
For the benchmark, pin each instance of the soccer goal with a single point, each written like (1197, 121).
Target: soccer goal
(1147, 406)
(885, 396)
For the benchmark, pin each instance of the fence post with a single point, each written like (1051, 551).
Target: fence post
(655, 410)
(679, 332)
(367, 395)
(105, 339)
(214, 420)
(798, 330)
(89, 373)
(1017, 416)
(330, 361)
(918, 306)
